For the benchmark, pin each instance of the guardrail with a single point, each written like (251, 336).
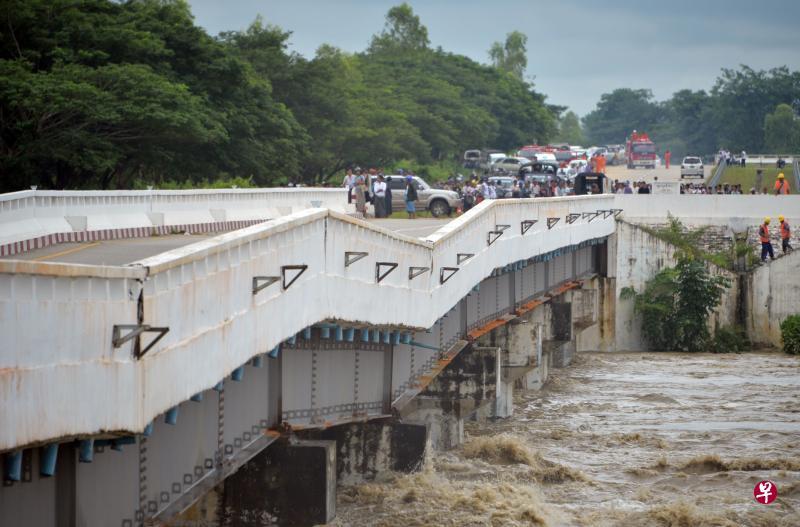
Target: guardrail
(796, 173)
(718, 171)
(35, 216)
(228, 299)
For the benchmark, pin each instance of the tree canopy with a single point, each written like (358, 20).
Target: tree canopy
(105, 94)
(742, 111)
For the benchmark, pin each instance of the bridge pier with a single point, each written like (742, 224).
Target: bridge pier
(288, 483)
(365, 450)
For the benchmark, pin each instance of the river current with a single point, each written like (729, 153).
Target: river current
(637, 439)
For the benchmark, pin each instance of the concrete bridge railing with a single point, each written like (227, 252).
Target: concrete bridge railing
(33, 214)
(67, 378)
(737, 211)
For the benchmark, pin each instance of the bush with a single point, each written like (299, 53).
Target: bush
(730, 339)
(790, 334)
(675, 306)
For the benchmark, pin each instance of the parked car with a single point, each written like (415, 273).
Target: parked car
(503, 185)
(472, 159)
(510, 164)
(544, 168)
(439, 202)
(491, 159)
(692, 166)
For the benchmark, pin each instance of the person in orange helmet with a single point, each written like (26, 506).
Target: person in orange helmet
(667, 156)
(781, 185)
(766, 244)
(786, 234)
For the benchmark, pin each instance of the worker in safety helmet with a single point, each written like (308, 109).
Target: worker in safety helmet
(766, 245)
(781, 185)
(786, 234)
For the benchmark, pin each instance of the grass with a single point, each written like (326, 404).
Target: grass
(403, 215)
(746, 177)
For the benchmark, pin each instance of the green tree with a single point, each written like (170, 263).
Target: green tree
(403, 32)
(675, 306)
(619, 113)
(782, 130)
(512, 56)
(569, 129)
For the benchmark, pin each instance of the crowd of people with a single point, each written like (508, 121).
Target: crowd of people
(730, 158)
(373, 186)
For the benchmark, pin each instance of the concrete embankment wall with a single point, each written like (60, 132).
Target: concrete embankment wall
(772, 293)
(639, 256)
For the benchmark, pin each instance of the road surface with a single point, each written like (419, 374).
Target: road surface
(109, 252)
(125, 251)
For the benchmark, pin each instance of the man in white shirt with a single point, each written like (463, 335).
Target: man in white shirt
(349, 182)
(379, 191)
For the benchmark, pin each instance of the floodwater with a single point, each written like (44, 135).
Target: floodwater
(641, 439)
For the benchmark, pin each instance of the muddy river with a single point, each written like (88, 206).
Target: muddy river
(616, 440)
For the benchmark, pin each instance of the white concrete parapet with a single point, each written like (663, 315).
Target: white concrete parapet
(33, 214)
(60, 375)
(737, 211)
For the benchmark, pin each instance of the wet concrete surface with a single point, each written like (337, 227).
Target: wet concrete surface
(634, 439)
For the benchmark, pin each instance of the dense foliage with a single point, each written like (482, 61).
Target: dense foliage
(105, 94)
(675, 306)
(790, 334)
(746, 109)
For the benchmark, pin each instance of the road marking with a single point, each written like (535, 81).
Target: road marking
(65, 252)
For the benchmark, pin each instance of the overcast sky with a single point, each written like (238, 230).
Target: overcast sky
(577, 50)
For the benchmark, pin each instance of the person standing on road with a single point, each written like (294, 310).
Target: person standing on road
(360, 196)
(667, 157)
(379, 196)
(781, 185)
(411, 198)
(388, 200)
(349, 182)
(766, 244)
(786, 234)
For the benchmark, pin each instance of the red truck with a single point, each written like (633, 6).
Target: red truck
(640, 151)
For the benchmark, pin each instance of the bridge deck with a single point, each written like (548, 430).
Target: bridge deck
(109, 252)
(128, 250)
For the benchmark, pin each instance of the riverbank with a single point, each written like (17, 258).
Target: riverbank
(615, 439)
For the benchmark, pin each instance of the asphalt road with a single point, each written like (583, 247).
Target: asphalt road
(108, 252)
(418, 228)
(125, 251)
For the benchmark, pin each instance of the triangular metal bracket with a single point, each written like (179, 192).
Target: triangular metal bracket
(414, 272)
(381, 275)
(606, 213)
(353, 256)
(450, 270)
(301, 268)
(502, 227)
(551, 222)
(463, 257)
(590, 215)
(118, 339)
(571, 217)
(525, 225)
(262, 282)
(492, 236)
(616, 212)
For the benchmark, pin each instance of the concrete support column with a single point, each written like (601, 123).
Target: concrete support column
(365, 450)
(287, 483)
(562, 345)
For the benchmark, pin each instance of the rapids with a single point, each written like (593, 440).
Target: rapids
(635, 439)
